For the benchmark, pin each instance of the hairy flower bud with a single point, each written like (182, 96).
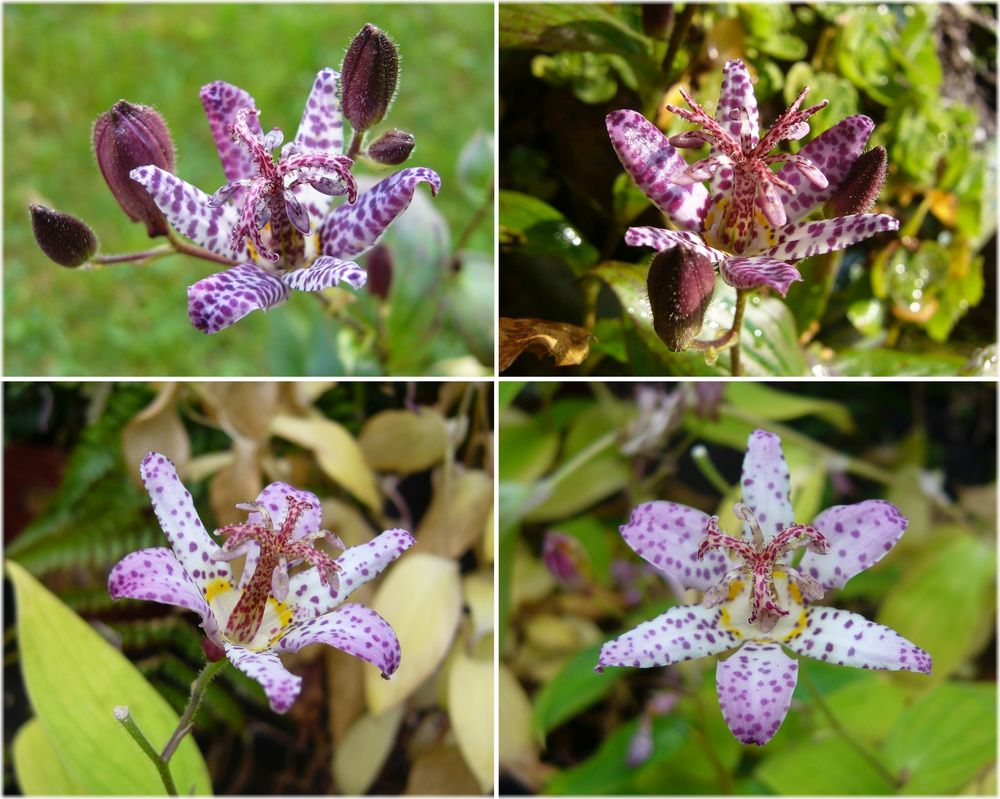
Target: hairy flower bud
(858, 191)
(392, 148)
(379, 267)
(656, 18)
(126, 137)
(680, 285)
(65, 239)
(369, 76)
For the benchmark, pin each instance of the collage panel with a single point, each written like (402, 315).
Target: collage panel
(267, 189)
(714, 588)
(274, 588)
(756, 189)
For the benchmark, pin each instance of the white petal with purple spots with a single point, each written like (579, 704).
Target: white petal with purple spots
(355, 629)
(755, 687)
(353, 229)
(219, 300)
(222, 101)
(661, 239)
(280, 685)
(860, 536)
(735, 95)
(682, 633)
(748, 273)
(156, 575)
(326, 272)
(766, 485)
(849, 639)
(667, 535)
(321, 130)
(805, 239)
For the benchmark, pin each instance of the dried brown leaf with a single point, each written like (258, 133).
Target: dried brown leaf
(456, 518)
(157, 428)
(441, 771)
(567, 344)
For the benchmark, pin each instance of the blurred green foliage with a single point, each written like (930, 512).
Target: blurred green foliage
(920, 302)
(66, 64)
(576, 458)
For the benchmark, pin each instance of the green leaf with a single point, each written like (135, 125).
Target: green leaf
(527, 447)
(945, 738)
(829, 767)
(777, 405)
(769, 339)
(475, 167)
(864, 52)
(570, 26)
(893, 362)
(867, 708)
(74, 680)
(841, 94)
(534, 228)
(37, 766)
(576, 687)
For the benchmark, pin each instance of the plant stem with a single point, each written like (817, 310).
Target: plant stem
(356, 141)
(186, 724)
(734, 355)
(677, 36)
(126, 720)
(887, 775)
(476, 218)
(186, 248)
(131, 257)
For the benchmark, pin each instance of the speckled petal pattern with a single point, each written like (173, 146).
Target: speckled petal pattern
(221, 102)
(179, 520)
(326, 272)
(766, 485)
(682, 633)
(849, 639)
(735, 95)
(355, 629)
(650, 160)
(661, 239)
(667, 535)
(357, 564)
(748, 273)
(815, 238)
(755, 687)
(321, 130)
(280, 685)
(860, 536)
(186, 208)
(219, 300)
(353, 229)
(156, 575)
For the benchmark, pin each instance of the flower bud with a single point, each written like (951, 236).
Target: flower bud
(656, 18)
(857, 192)
(680, 285)
(126, 137)
(565, 559)
(379, 264)
(392, 148)
(369, 75)
(65, 239)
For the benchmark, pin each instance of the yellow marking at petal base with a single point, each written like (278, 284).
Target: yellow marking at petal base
(734, 590)
(219, 585)
(727, 623)
(796, 596)
(282, 611)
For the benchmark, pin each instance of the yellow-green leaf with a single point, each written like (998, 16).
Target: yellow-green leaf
(470, 707)
(74, 680)
(360, 757)
(517, 747)
(421, 597)
(37, 766)
(404, 441)
(455, 520)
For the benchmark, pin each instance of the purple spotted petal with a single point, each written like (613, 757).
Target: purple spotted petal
(353, 229)
(667, 535)
(355, 629)
(736, 94)
(765, 484)
(280, 685)
(325, 272)
(849, 639)
(177, 516)
(357, 564)
(156, 575)
(321, 130)
(860, 536)
(660, 239)
(219, 300)
(755, 687)
(222, 101)
(187, 209)
(804, 239)
(651, 160)
(748, 273)
(833, 152)
(682, 633)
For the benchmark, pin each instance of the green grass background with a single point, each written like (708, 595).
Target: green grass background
(64, 65)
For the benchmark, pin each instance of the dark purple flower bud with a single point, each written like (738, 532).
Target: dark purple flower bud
(858, 191)
(212, 650)
(392, 148)
(656, 18)
(708, 398)
(680, 285)
(379, 268)
(126, 137)
(65, 239)
(369, 76)
(565, 559)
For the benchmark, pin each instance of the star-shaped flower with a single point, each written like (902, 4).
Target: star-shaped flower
(267, 611)
(275, 218)
(749, 219)
(762, 604)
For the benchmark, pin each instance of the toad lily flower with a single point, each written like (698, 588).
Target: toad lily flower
(267, 611)
(749, 220)
(274, 217)
(762, 603)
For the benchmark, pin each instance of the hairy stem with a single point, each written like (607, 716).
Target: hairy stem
(131, 257)
(186, 723)
(186, 248)
(734, 355)
(356, 141)
(126, 720)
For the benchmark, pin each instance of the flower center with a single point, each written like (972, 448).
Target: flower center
(760, 560)
(752, 183)
(278, 551)
(269, 197)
